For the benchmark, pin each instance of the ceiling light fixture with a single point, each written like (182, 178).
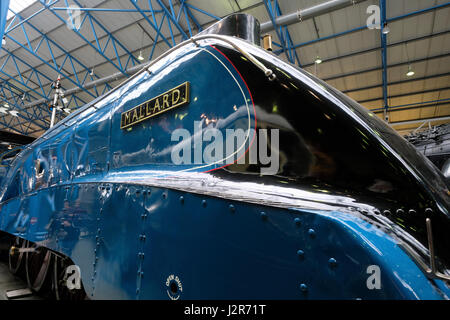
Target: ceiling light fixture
(386, 29)
(140, 58)
(318, 60)
(410, 72)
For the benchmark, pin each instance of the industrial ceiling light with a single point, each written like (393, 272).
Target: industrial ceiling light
(92, 72)
(386, 29)
(318, 60)
(9, 147)
(3, 41)
(6, 105)
(14, 113)
(410, 72)
(140, 58)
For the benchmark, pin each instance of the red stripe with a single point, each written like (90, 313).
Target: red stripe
(254, 110)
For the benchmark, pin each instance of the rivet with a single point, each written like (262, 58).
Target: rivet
(164, 196)
(232, 208)
(311, 233)
(297, 221)
(386, 212)
(181, 199)
(204, 203)
(300, 254)
(412, 211)
(303, 287)
(332, 262)
(400, 211)
(263, 215)
(428, 211)
(376, 211)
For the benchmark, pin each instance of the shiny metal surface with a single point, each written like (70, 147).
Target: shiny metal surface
(142, 227)
(240, 25)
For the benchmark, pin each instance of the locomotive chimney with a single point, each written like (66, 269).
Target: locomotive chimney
(239, 25)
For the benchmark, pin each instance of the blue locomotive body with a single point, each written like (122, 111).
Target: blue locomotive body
(148, 214)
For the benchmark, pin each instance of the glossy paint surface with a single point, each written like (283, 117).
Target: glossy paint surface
(141, 227)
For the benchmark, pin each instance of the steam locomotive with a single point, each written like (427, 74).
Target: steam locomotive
(221, 172)
(434, 143)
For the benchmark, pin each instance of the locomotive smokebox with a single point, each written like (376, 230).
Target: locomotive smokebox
(239, 25)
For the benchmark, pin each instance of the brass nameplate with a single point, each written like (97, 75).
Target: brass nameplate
(173, 98)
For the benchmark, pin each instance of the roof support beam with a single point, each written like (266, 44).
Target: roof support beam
(399, 82)
(406, 94)
(52, 46)
(283, 35)
(188, 13)
(399, 123)
(387, 67)
(447, 101)
(307, 13)
(431, 105)
(153, 24)
(384, 56)
(92, 26)
(352, 54)
(364, 27)
(171, 15)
